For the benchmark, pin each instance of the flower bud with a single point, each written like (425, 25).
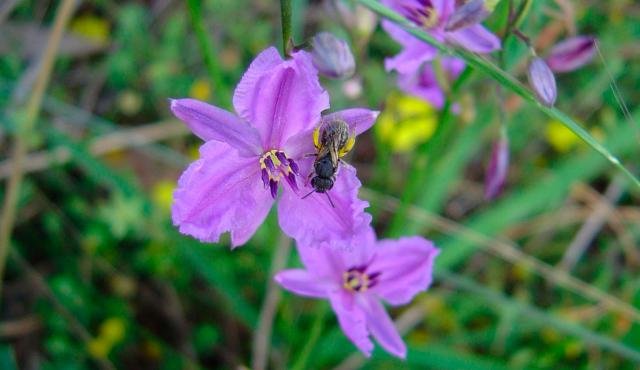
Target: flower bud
(542, 81)
(472, 12)
(496, 174)
(571, 53)
(332, 56)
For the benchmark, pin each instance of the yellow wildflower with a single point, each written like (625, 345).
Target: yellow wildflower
(162, 193)
(560, 137)
(91, 27)
(200, 89)
(406, 122)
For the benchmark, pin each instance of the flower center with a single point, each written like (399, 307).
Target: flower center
(357, 280)
(425, 15)
(274, 166)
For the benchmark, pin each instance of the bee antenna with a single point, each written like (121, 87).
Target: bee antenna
(330, 201)
(311, 192)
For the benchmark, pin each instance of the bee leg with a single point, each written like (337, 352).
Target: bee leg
(310, 155)
(330, 201)
(311, 192)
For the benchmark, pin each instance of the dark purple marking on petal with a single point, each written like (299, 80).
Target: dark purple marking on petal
(265, 177)
(273, 186)
(291, 179)
(294, 167)
(269, 163)
(282, 158)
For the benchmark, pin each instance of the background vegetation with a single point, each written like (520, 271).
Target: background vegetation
(546, 276)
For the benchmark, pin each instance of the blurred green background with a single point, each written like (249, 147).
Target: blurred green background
(546, 276)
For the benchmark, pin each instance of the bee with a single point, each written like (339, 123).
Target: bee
(332, 141)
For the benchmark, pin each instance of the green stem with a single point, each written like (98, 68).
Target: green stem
(205, 42)
(486, 66)
(312, 339)
(285, 12)
(21, 143)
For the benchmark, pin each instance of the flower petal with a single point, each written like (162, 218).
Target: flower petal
(220, 192)
(406, 267)
(414, 51)
(352, 320)
(301, 282)
(475, 38)
(572, 53)
(281, 98)
(212, 123)
(423, 85)
(246, 94)
(382, 327)
(313, 221)
(358, 119)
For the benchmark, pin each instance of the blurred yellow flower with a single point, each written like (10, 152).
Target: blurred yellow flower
(560, 137)
(113, 329)
(200, 89)
(91, 27)
(111, 332)
(406, 122)
(162, 193)
(194, 152)
(99, 347)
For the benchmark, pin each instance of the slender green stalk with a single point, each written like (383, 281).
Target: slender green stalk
(27, 124)
(312, 339)
(506, 80)
(285, 14)
(205, 42)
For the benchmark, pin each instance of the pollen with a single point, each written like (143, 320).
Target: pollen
(275, 166)
(357, 280)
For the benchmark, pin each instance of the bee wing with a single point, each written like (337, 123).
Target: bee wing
(334, 156)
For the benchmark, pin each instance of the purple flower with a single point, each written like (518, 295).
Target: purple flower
(424, 84)
(246, 156)
(332, 56)
(433, 16)
(571, 53)
(356, 280)
(498, 167)
(542, 81)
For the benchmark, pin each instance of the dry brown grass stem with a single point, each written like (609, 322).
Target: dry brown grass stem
(32, 110)
(104, 144)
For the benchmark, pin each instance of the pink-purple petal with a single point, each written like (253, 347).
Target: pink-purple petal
(281, 99)
(358, 119)
(301, 282)
(212, 123)
(475, 38)
(571, 53)
(406, 267)
(414, 51)
(382, 327)
(423, 85)
(246, 94)
(352, 320)
(220, 192)
(313, 221)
